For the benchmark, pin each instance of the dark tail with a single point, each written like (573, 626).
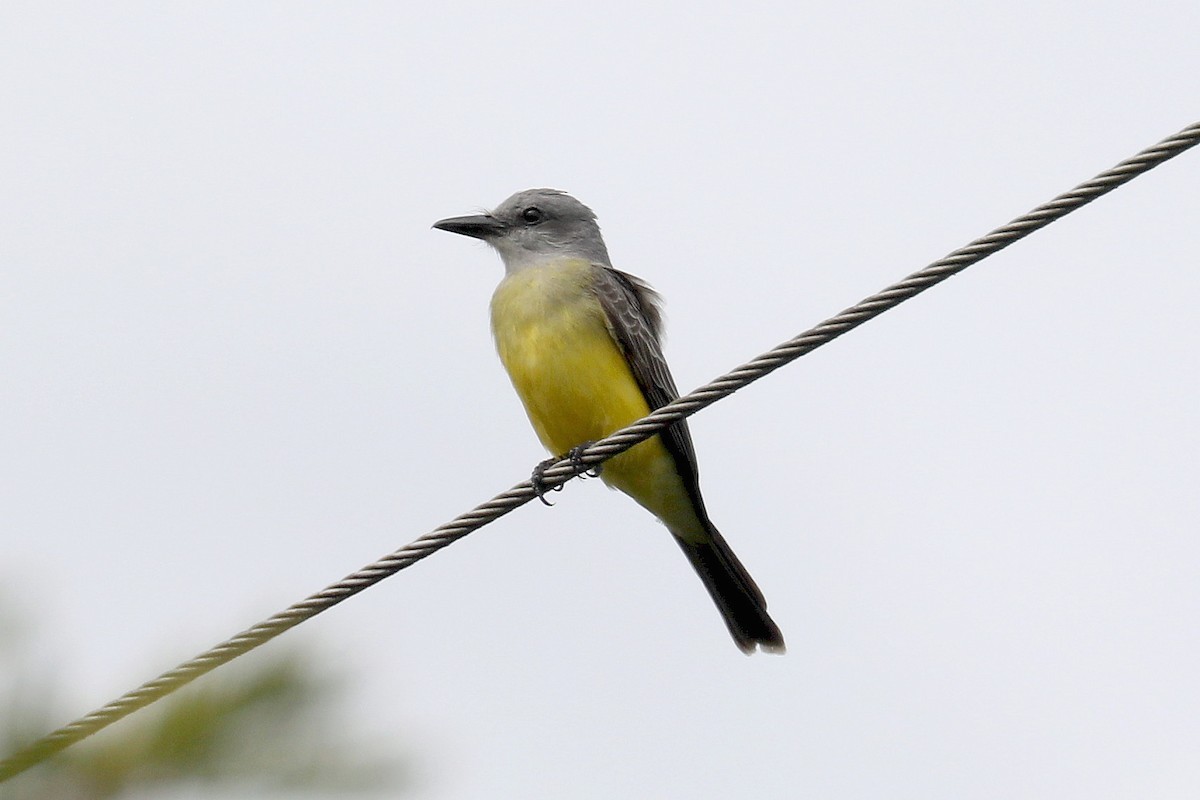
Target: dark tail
(735, 593)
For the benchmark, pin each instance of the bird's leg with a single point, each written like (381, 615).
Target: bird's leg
(538, 478)
(582, 469)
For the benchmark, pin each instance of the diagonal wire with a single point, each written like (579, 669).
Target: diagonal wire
(602, 450)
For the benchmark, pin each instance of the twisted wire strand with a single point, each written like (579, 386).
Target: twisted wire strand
(606, 448)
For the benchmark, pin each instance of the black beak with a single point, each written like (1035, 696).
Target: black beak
(482, 226)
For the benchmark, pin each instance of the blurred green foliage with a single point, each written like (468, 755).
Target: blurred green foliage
(265, 724)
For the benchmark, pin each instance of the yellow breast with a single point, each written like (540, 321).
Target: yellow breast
(575, 383)
(551, 335)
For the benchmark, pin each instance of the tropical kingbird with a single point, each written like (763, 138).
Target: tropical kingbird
(581, 343)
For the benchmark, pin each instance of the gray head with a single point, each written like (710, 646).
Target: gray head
(534, 226)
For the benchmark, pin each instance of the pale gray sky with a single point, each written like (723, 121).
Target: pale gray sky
(238, 364)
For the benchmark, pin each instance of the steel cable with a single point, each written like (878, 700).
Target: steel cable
(602, 450)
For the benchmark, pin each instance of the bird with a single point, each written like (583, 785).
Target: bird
(582, 343)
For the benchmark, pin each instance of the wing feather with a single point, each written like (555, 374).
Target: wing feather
(634, 317)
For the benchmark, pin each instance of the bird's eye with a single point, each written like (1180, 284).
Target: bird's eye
(533, 215)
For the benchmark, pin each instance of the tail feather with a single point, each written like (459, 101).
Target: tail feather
(735, 593)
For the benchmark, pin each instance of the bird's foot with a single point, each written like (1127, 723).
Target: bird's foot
(538, 478)
(581, 469)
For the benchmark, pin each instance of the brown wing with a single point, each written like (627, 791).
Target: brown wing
(631, 309)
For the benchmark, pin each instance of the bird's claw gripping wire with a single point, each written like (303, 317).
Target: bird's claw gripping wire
(582, 469)
(538, 478)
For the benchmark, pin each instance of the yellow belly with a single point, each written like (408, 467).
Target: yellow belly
(576, 384)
